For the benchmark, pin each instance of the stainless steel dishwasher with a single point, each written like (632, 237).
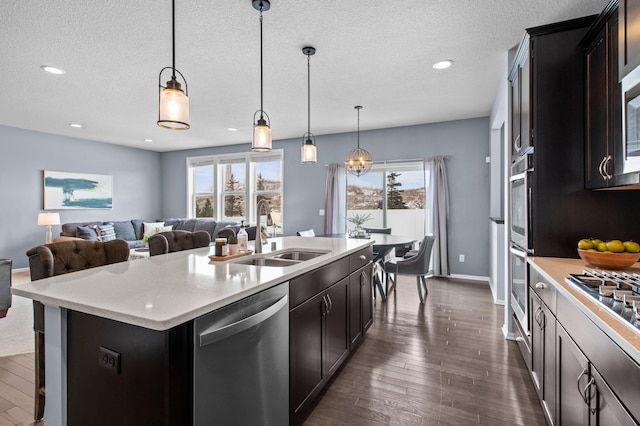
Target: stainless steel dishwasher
(241, 362)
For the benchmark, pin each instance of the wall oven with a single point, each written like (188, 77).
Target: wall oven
(521, 243)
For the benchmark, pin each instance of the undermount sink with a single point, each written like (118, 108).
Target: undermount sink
(299, 255)
(267, 261)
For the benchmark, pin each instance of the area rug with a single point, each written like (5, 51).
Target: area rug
(16, 329)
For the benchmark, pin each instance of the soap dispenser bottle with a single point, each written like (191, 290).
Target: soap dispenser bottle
(243, 239)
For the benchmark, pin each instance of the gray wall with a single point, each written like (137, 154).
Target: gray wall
(25, 154)
(466, 142)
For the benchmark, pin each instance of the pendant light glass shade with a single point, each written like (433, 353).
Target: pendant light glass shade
(173, 110)
(261, 140)
(358, 161)
(173, 102)
(308, 152)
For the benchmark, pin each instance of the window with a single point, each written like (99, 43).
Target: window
(228, 187)
(393, 195)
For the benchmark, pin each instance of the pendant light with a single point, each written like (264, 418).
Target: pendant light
(308, 151)
(261, 141)
(173, 102)
(358, 161)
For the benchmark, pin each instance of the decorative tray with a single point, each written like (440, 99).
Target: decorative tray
(230, 256)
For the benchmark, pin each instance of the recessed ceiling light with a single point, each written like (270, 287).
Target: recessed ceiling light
(148, 140)
(443, 64)
(53, 70)
(76, 125)
(232, 129)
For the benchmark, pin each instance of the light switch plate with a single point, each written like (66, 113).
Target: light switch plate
(321, 212)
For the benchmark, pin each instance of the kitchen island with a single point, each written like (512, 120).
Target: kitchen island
(142, 314)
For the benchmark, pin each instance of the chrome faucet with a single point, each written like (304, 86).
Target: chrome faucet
(262, 203)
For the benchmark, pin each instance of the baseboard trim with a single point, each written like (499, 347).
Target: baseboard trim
(470, 277)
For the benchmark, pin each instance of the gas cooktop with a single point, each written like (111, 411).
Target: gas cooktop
(618, 292)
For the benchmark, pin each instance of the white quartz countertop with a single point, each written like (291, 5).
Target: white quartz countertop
(161, 292)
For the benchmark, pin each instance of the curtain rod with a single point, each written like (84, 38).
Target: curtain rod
(404, 160)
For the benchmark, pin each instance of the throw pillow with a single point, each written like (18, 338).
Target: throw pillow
(164, 228)
(150, 228)
(86, 233)
(106, 232)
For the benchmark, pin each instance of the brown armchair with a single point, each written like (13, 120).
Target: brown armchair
(56, 259)
(5, 286)
(170, 241)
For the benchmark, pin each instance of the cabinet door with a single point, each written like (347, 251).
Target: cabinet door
(537, 342)
(366, 299)
(629, 36)
(572, 377)
(596, 140)
(355, 309)
(515, 115)
(336, 327)
(305, 351)
(526, 139)
(606, 408)
(548, 389)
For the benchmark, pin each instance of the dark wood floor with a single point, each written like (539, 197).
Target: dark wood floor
(441, 363)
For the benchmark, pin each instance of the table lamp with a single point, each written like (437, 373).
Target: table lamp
(48, 219)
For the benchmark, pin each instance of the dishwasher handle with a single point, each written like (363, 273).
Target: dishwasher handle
(211, 336)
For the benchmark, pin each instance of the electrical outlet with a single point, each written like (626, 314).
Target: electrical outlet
(461, 258)
(321, 212)
(109, 360)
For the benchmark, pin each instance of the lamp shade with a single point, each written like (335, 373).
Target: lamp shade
(309, 153)
(48, 218)
(261, 141)
(174, 107)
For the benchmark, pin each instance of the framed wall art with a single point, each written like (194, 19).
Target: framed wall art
(63, 190)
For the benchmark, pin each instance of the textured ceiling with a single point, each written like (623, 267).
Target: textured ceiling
(378, 54)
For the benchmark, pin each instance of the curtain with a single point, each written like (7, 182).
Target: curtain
(335, 204)
(437, 212)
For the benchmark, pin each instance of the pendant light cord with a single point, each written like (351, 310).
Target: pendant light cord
(173, 37)
(358, 127)
(308, 97)
(261, 89)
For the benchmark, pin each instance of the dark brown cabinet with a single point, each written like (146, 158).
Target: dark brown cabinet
(330, 310)
(543, 355)
(519, 94)
(360, 304)
(318, 343)
(602, 100)
(584, 398)
(629, 36)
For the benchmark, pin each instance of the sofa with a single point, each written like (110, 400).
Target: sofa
(5, 286)
(132, 231)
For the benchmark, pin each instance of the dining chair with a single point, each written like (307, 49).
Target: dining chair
(379, 258)
(60, 258)
(306, 233)
(417, 265)
(172, 241)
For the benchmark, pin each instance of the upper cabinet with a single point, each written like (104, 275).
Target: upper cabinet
(519, 100)
(629, 37)
(611, 126)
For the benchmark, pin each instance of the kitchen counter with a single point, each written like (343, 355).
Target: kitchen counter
(621, 332)
(164, 291)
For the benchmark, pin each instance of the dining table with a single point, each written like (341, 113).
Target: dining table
(382, 247)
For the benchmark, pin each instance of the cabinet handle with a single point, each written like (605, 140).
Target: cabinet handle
(585, 397)
(600, 168)
(325, 305)
(363, 279)
(517, 144)
(541, 285)
(330, 304)
(363, 257)
(606, 167)
(584, 371)
(537, 314)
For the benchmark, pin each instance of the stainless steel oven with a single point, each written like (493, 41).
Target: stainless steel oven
(520, 202)
(520, 236)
